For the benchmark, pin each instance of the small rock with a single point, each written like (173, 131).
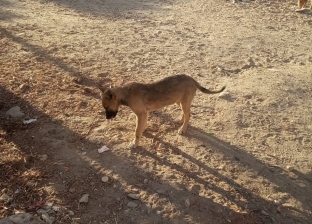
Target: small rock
(135, 189)
(71, 213)
(22, 218)
(158, 212)
(134, 196)
(264, 213)
(103, 149)
(56, 208)
(43, 157)
(188, 203)
(72, 190)
(131, 204)
(29, 121)
(15, 112)
(277, 202)
(279, 208)
(161, 191)
(290, 168)
(221, 167)
(5, 198)
(226, 96)
(84, 198)
(145, 181)
(45, 216)
(105, 179)
(149, 208)
(209, 186)
(23, 87)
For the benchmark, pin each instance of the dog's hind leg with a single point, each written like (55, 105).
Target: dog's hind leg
(182, 119)
(186, 117)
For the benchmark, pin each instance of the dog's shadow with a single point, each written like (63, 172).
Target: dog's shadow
(233, 156)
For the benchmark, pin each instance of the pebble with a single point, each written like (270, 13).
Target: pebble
(84, 198)
(159, 154)
(105, 179)
(131, 204)
(145, 181)
(43, 157)
(264, 213)
(161, 191)
(158, 212)
(277, 202)
(71, 212)
(209, 186)
(290, 168)
(72, 190)
(15, 112)
(23, 87)
(149, 208)
(45, 216)
(226, 96)
(56, 208)
(29, 121)
(22, 218)
(134, 196)
(188, 203)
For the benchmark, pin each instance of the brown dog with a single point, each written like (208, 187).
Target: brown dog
(142, 98)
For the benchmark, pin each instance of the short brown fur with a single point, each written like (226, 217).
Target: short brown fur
(142, 98)
(303, 3)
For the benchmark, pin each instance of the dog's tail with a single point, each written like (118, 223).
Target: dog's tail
(204, 90)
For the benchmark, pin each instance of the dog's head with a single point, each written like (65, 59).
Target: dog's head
(109, 102)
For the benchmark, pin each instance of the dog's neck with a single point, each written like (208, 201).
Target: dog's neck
(122, 96)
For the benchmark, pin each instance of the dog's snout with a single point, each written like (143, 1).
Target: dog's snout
(111, 114)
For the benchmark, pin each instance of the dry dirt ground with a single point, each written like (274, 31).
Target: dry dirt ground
(246, 157)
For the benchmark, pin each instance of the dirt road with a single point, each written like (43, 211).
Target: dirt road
(246, 157)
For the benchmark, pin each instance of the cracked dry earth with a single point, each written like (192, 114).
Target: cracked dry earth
(246, 157)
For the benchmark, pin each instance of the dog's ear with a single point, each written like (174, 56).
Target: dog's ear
(102, 88)
(110, 94)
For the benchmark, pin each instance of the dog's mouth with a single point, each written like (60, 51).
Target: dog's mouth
(110, 114)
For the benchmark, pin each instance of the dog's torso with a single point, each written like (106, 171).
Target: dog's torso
(160, 94)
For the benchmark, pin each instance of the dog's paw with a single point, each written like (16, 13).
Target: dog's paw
(132, 145)
(180, 131)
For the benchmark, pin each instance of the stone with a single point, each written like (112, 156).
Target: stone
(105, 179)
(15, 112)
(131, 204)
(134, 196)
(43, 157)
(161, 191)
(188, 203)
(21, 218)
(149, 208)
(84, 198)
(264, 213)
(290, 168)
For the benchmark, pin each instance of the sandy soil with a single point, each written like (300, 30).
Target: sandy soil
(246, 157)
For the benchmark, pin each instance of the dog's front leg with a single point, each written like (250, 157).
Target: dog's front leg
(140, 125)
